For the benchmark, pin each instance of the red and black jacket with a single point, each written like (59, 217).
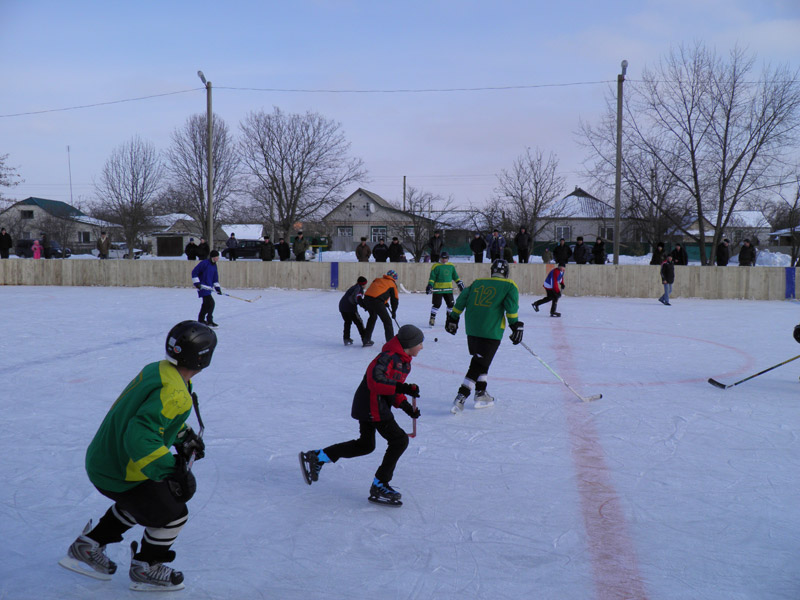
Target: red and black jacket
(375, 397)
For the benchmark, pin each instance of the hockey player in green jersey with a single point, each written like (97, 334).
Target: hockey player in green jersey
(129, 461)
(488, 303)
(440, 284)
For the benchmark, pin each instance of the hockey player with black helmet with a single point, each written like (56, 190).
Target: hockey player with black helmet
(440, 284)
(129, 461)
(487, 304)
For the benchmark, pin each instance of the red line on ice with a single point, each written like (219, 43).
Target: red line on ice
(613, 556)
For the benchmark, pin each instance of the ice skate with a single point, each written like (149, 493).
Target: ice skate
(211, 323)
(156, 577)
(383, 493)
(458, 404)
(311, 465)
(555, 314)
(348, 342)
(432, 320)
(367, 343)
(535, 306)
(87, 557)
(483, 400)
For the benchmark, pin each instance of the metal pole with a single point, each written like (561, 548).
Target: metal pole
(618, 178)
(210, 162)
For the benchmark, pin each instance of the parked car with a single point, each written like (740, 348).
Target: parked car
(245, 249)
(120, 250)
(22, 248)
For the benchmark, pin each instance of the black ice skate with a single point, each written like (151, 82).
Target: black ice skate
(211, 323)
(153, 577)
(311, 466)
(87, 557)
(432, 320)
(366, 343)
(555, 314)
(348, 342)
(535, 306)
(383, 493)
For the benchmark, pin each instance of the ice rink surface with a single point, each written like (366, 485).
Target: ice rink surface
(667, 488)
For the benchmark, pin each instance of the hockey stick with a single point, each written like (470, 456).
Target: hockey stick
(238, 298)
(403, 288)
(413, 433)
(583, 398)
(199, 432)
(716, 383)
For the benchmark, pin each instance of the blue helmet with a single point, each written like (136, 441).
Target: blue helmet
(392, 273)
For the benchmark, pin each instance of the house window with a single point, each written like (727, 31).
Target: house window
(607, 233)
(26, 214)
(344, 231)
(83, 237)
(376, 233)
(409, 231)
(564, 231)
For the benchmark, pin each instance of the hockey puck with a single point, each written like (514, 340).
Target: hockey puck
(435, 339)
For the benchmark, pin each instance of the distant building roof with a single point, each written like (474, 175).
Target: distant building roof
(53, 207)
(243, 232)
(581, 204)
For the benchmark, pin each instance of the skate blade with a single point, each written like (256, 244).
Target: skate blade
(484, 404)
(74, 564)
(306, 474)
(384, 501)
(139, 586)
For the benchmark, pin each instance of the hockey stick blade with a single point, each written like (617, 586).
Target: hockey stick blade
(592, 398)
(716, 383)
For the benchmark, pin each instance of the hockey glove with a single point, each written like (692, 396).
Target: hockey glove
(198, 286)
(219, 291)
(189, 442)
(410, 410)
(460, 285)
(394, 313)
(429, 289)
(451, 325)
(410, 389)
(516, 332)
(182, 484)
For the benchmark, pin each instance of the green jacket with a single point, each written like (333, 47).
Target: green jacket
(442, 277)
(488, 303)
(132, 444)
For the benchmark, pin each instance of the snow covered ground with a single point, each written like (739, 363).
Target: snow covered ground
(667, 488)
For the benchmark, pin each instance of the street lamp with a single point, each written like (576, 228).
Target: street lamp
(210, 163)
(618, 181)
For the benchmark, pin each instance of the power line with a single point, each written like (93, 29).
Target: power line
(313, 91)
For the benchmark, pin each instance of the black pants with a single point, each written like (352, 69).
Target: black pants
(207, 309)
(437, 301)
(377, 308)
(396, 438)
(524, 255)
(435, 257)
(352, 318)
(479, 257)
(231, 253)
(551, 296)
(300, 257)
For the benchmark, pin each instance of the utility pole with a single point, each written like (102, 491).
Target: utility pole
(210, 162)
(618, 179)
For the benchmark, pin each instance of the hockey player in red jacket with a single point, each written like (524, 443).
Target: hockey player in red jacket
(553, 284)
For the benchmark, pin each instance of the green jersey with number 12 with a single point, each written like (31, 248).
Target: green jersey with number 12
(488, 303)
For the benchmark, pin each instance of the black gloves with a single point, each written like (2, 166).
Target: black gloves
(394, 313)
(409, 389)
(188, 441)
(219, 291)
(460, 285)
(451, 325)
(410, 410)
(516, 332)
(197, 285)
(797, 333)
(429, 289)
(182, 484)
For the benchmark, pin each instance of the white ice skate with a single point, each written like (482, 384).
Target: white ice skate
(153, 578)
(483, 400)
(87, 557)
(458, 404)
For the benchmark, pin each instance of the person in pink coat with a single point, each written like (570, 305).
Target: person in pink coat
(36, 249)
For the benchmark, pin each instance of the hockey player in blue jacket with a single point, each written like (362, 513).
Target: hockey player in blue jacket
(206, 280)
(553, 284)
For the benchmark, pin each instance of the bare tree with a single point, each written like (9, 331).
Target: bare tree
(60, 229)
(721, 133)
(187, 168)
(298, 163)
(785, 214)
(427, 212)
(531, 192)
(8, 177)
(129, 186)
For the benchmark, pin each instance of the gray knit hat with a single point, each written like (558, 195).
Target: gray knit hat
(409, 336)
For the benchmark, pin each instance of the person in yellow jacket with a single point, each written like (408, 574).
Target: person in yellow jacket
(381, 292)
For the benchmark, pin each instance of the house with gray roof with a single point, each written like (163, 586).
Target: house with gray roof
(578, 214)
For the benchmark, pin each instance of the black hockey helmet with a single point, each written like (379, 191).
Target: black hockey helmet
(444, 257)
(190, 344)
(500, 268)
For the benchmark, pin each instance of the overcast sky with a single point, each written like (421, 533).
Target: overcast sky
(360, 59)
